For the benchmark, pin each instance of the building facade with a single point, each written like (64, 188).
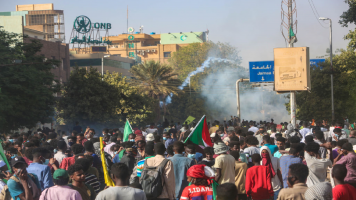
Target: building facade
(142, 47)
(15, 22)
(43, 18)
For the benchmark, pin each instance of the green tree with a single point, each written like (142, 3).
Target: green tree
(185, 104)
(317, 103)
(349, 17)
(189, 58)
(92, 99)
(156, 80)
(26, 82)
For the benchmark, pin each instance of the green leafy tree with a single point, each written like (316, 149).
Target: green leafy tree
(156, 80)
(92, 99)
(189, 58)
(186, 104)
(317, 103)
(26, 82)
(349, 17)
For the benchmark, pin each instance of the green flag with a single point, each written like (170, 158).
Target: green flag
(127, 131)
(3, 157)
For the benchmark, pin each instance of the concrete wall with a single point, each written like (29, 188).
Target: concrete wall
(16, 13)
(47, 6)
(111, 64)
(12, 24)
(58, 51)
(33, 33)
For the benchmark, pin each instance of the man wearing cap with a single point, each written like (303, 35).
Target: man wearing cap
(23, 185)
(224, 164)
(60, 190)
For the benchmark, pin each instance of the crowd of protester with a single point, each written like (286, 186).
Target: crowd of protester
(248, 160)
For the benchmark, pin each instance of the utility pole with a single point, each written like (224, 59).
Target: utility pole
(332, 73)
(127, 25)
(292, 93)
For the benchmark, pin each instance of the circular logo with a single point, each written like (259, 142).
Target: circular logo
(82, 24)
(130, 29)
(183, 37)
(131, 37)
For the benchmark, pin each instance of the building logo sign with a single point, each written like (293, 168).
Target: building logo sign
(183, 37)
(82, 24)
(87, 33)
(131, 37)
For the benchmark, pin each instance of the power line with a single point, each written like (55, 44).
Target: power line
(317, 17)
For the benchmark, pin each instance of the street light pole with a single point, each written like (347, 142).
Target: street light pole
(332, 69)
(102, 66)
(238, 95)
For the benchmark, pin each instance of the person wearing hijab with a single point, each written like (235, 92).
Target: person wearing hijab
(200, 178)
(274, 166)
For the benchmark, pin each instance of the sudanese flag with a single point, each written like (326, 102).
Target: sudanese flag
(200, 134)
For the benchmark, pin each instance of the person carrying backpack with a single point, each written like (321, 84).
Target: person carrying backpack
(157, 178)
(23, 185)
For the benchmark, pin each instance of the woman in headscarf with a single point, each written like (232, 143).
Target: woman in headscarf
(199, 177)
(273, 164)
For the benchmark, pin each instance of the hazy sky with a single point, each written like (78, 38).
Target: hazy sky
(251, 26)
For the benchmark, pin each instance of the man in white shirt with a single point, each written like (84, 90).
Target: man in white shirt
(305, 131)
(62, 147)
(120, 176)
(151, 129)
(253, 128)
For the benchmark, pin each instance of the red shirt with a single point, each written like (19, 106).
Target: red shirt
(258, 183)
(28, 161)
(66, 162)
(344, 192)
(200, 192)
(83, 141)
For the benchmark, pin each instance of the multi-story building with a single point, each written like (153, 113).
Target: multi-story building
(158, 47)
(53, 48)
(41, 17)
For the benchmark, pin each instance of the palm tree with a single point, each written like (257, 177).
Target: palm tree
(156, 80)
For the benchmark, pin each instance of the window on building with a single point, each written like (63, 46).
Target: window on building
(167, 54)
(36, 37)
(62, 63)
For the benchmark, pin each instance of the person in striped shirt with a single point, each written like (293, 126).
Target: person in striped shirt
(90, 179)
(149, 153)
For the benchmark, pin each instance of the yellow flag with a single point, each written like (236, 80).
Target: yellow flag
(189, 120)
(107, 177)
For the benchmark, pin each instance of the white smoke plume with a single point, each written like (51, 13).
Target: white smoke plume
(256, 103)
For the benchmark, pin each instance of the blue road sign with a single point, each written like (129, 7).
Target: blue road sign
(316, 62)
(262, 71)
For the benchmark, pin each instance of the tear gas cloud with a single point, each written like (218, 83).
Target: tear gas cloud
(257, 103)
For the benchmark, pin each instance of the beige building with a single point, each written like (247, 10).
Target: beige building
(42, 18)
(142, 46)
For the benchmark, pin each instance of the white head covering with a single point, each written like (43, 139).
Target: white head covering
(2, 163)
(208, 172)
(150, 137)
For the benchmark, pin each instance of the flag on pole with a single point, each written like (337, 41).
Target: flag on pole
(107, 177)
(127, 131)
(200, 134)
(3, 158)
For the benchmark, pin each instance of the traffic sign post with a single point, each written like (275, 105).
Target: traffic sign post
(261, 71)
